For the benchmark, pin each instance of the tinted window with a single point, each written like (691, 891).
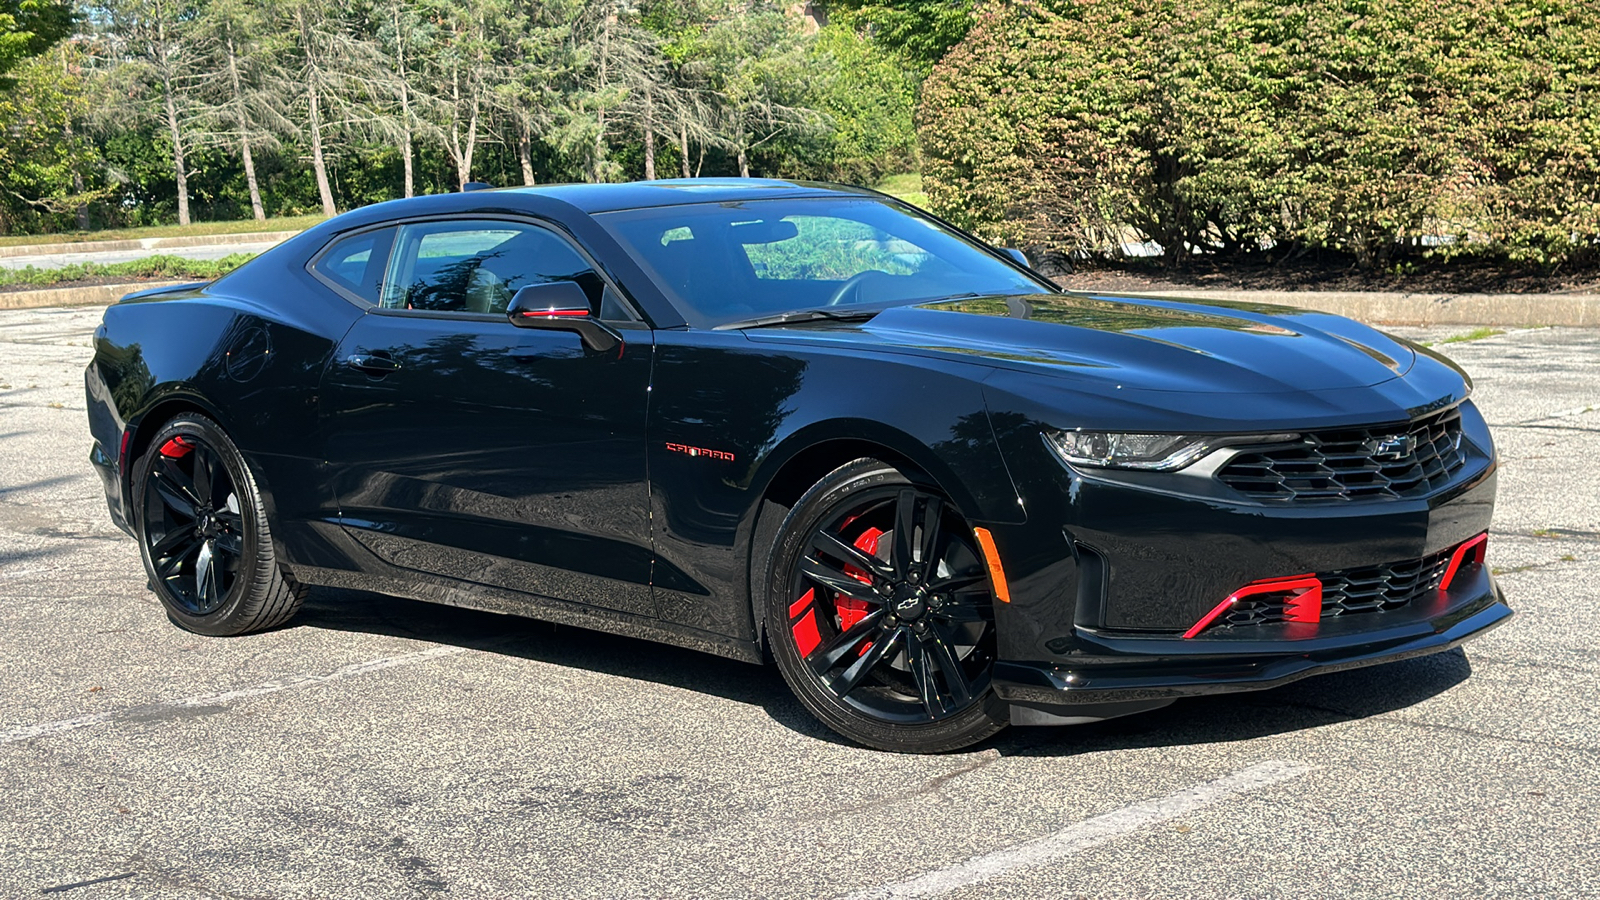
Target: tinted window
(477, 265)
(355, 263)
(722, 262)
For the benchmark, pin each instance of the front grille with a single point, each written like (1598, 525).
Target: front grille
(1350, 591)
(1355, 463)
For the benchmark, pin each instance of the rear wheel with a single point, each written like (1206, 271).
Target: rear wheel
(880, 613)
(204, 536)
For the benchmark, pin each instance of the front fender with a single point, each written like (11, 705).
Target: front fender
(728, 418)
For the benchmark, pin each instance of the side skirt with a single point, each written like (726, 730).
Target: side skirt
(471, 595)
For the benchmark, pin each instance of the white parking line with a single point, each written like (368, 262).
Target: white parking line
(28, 732)
(1087, 833)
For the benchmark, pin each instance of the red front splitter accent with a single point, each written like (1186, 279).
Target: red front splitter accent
(1304, 606)
(1472, 550)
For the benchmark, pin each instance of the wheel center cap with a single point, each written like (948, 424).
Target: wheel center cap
(910, 602)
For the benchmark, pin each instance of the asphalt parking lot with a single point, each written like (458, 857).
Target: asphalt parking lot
(385, 748)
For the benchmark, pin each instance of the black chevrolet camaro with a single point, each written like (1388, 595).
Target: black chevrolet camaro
(757, 417)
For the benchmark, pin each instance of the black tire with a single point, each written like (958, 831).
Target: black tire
(889, 643)
(204, 536)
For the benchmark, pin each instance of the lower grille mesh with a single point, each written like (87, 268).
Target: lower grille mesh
(1351, 591)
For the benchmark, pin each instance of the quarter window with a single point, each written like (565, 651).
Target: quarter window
(355, 263)
(478, 265)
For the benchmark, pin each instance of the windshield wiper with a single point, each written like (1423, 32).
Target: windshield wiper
(803, 315)
(837, 313)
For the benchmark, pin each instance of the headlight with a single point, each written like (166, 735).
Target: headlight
(1155, 452)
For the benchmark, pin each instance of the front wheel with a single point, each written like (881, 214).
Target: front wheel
(204, 534)
(880, 613)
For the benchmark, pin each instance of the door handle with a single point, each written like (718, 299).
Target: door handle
(373, 363)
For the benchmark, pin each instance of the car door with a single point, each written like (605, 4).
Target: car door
(463, 446)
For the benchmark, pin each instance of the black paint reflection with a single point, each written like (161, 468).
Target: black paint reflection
(495, 454)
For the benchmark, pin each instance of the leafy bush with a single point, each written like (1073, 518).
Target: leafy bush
(1260, 126)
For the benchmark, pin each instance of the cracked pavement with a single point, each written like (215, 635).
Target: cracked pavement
(526, 759)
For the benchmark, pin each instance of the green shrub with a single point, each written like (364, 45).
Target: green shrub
(1270, 126)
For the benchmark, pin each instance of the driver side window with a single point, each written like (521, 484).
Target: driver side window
(478, 265)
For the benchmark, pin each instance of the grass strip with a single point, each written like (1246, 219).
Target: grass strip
(163, 266)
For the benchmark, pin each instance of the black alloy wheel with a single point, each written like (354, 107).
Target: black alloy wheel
(881, 614)
(193, 530)
(203, 536)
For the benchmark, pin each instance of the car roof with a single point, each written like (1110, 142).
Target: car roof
(596, 198)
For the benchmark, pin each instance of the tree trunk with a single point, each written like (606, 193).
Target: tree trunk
(80, 211)
(744, 162)
(243, 123)
(600, 116)
(405, 149)
(649, 137)
(525, 154)
(178, 167)
(318, 163)
(405, 99)
(462, 146)
(683, 145)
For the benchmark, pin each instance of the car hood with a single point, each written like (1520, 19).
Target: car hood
(1136, 343)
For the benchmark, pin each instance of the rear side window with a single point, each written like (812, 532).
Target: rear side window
(355, 264)
(477, 265)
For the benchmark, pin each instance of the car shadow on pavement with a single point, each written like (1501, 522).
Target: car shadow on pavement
(1313, 702)
(562, 645)
(1310, 703)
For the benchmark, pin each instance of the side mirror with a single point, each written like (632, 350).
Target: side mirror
(560, 306)
(1017, 256)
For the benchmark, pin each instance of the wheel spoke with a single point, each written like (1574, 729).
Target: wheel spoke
(228, 543)
(205, 585)
(171, 541)
(962, 612)
(955, 582)
(167, 566)
(944, 656)
(838, 582)
(905, 526)
(175, 489)
(831, 653)
(846, 681)
(932, 512)
(834, 546)
(922, 674)
(203, 461)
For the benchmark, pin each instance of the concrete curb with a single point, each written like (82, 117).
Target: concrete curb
(1423, 309)
(94, 295)
(167, 243)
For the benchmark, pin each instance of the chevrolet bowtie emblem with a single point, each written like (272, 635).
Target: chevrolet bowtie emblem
(1394, 446)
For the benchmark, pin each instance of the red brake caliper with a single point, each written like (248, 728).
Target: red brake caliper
(176, 448)
(850, 610)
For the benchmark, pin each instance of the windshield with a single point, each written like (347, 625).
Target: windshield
(723, 263)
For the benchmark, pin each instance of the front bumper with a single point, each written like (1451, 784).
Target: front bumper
(1158, 670)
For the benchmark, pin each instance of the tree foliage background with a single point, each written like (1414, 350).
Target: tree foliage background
(1245, 129)
(135, 112)
(1274, 127)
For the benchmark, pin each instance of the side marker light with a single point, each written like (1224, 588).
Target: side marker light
(991, 556)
